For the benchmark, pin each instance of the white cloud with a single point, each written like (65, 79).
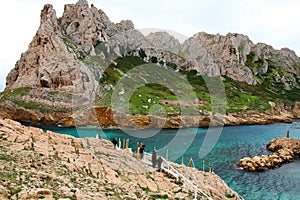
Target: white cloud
(275, 22)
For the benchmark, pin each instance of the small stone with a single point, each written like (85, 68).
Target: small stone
(43, 192)
(3, 192)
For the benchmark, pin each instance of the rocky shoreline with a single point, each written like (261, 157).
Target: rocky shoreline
(104, 117)
(284, 150)
(36, 164)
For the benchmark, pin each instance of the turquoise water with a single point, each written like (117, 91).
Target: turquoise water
(234, 143)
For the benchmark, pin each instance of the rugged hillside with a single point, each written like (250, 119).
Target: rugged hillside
(83, 60)
(36, 165)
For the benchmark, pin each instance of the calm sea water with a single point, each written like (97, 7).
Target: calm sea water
(233, 144)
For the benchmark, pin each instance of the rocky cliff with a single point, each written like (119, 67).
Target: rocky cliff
(74, 63)
(37, 164)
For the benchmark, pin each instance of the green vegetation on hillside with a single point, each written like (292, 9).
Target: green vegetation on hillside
(240, 96)
(113, 73)
(16, 96)
(149, 95)
(7, 94)
(144, 97)
(269, 87)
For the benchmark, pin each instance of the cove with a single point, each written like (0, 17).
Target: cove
(234, 143)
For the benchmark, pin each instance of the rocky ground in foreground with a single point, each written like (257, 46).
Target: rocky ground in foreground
(284, 151)
(35, 165)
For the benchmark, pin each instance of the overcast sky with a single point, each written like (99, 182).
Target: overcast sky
(275, 22)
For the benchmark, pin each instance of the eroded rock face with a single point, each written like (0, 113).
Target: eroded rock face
(54, 57)
(50, 63)
(162, 40)
(125, 25)
(285, 59)
(86, 25)
(215, 55)
(11, 111)
(41, 49)
(104, 117)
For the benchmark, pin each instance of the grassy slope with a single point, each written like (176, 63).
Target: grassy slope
(240, 96)
(16, 97)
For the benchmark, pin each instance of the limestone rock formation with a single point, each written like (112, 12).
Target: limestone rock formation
(285, 143)
(220, 55)
(105, 117)
(162, 40)
(86, 25)
(125, 25)
(50, 63)
(284, 151)
(69, 55)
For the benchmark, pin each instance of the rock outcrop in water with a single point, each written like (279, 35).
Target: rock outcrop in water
(36, 164)
(62, 74)
(284, 151)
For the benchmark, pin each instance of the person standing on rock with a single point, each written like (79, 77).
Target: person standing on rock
(142, 148)
(159, 163)
(154, 158)
(114, 141)
(99, 137)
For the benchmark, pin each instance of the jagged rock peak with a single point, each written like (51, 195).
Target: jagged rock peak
(207, 38)
(215, 55)
(48, 13)
(125, 25)
(52, 59)
(87, 25)
(164, 40)
(83, 2)
(49, 18)
(161, 35)
(289, 53)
